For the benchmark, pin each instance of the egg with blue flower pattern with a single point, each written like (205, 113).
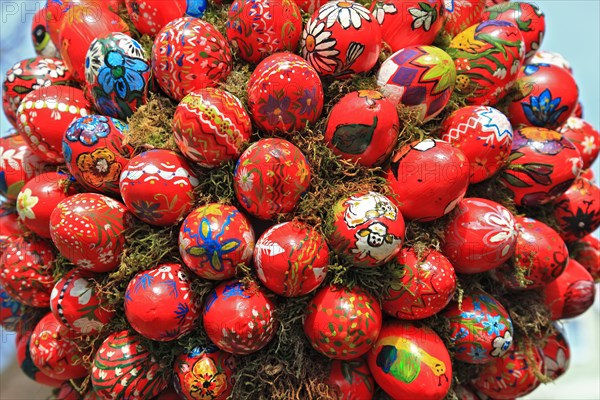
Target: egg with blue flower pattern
(481, 328)
(118, 72)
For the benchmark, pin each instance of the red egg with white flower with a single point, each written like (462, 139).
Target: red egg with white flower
(428, 177)
(571, 294)
(584, 136)
(578, 210)
(587, 253)
(352, 379)
(462, 14)
(150, 16)
(89, 230)
(18, 164)
(557, 354)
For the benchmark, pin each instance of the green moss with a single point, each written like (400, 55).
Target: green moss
(151, 127)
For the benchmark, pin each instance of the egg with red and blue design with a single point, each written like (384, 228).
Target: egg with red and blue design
(10, 311)
(239, 317)
(571, 294)
(26, 364)
(421, 78)
(284, 94)
(352, 379)
(204, 371)
(157, 186)
(19, 165)
(368, 229)
(584, 136)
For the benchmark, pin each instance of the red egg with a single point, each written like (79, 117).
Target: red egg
(204, 373)
(26, 275)
(9, 226)
(124, 368)
(18, 164)
(342, 323)
(284, 94)
(480, 236)
(557, 354)
(587, 253)
(42, 43)
(211, 126)
(585, 137)
(572, 293)
(484, 135)
(481, 328)
(421, 287)
(291, 259)
(419, 77)
(368, 229)
(259, 31)
(82, 25)
(428, 178)
(45, 114)
(512, 375)
(547, 96)
(28, 367)
(352, 379)
(270, 177)
(488, 57)
(410, 362)
(95, 152)
(552, 58)
(53, 352)
(462, 14)
(540, 254)
(38, 198)
(239, 318)
(150, 16)
(214, 239)
(189, 54)
(527, 17)
(310, 6)
(159, 303)
(157, 186)
(28, 75)
(578, 210)
(363, 127)
(77, 304)
(542, 166)
(11, 311)
(341, 38)
(88, 229)
(409, 23)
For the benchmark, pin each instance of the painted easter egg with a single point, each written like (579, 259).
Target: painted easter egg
(410, 362)
(368, 229)
(411, 23)
(95, 152)
(428, 178)
(18, 164)
(157, 186)
(45, 114)
(38, 198)
(291, 259)
(421, 286)
(124, 368)
(462, 14)
(214, 239)
(42, 43)
(546, 96)
(419, 77)
(118, 75)
(88, 229)
(310, 6)
(77, 304)
(211, 126)
(584, 136)
(159, 303)
(204, 372)
(587, 253)
(28, 75)
(527, 17)
(571, 294)
(578, 210)
(52, 351)
(239, 317)
(480, 236)
(363, 127)
(27, 267)
(10, 227)
(485, 137)
(488, 57)
(557, 354)
(341, 38)
(352, 379)
(481, 328)
(10, 311)
(150, 16)
(189, 54)
(284, 94)
(512, 375)
(270, 177)
(540, 254)
(542, 166)
(258, 32)
(552, 58)
(342, 323)
(27, 366)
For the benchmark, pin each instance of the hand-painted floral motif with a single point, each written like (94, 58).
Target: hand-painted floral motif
(461, 14)
(10, 311)
(18, 164)
(584, 136)
(150, 16)
(557, 354)
(577, 210)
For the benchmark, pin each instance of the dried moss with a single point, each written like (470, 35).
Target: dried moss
(151, 126)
